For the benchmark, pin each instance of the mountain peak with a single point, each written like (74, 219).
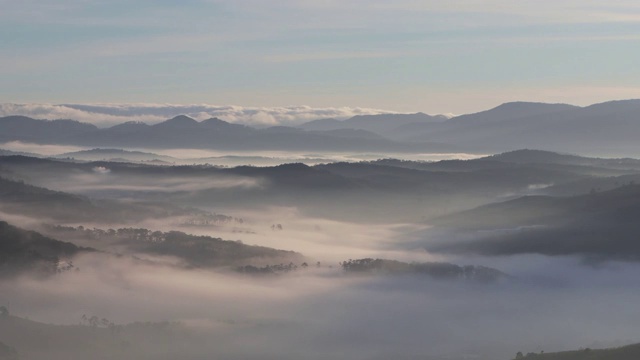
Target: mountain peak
(179, 121)
(182, 119)
(214, 121)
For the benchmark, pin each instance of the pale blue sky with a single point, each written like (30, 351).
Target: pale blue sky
(404, 55)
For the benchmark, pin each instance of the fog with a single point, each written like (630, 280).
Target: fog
(40, 149)
(224, 158)
(323, 313)
(247, 263)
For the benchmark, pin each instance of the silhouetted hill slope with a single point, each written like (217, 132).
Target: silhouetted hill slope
(607, 128)
(512, 111)
(479, 122)
(548, 157)
(178, 122)
(323, 125)
(630, 352)
(29, 251)
(128, 127)
(4, 152)
(339, 189)
(500, 179)
(16, 197)
(584, 186)
(380, 124)
(113, 155)
(599, 225)
(545, 210)
(31, 130)
(184, 132)
(526, 158)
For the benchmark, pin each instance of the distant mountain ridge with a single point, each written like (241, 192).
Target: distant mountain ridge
(610, 128)
(606, 128)
(375, 123)
(185, 132)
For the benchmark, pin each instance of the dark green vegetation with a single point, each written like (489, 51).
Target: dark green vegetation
(28, 251)
(631, 352)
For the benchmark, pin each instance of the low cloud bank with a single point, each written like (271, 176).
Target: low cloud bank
(111, 114)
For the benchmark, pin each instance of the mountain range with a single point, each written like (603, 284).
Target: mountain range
(609, 128)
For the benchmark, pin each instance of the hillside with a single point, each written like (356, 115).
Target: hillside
(28, 251)
(597, 225)
(606, 128)
(630, 352)
(194, 251)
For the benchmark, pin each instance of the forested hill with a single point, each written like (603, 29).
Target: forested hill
(28, 251)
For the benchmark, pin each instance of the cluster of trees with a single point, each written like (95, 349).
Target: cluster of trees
(29, 251)
(207, 219)
(271, 269)
(138, 234)
(197, 251)
(96, 322)
(520, 355)
(434, 269)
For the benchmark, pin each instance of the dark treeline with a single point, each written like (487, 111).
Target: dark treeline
(196, 251)
(437, 270)
(630, 352)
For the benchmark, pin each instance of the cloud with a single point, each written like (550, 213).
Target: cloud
(46, 150)
(101, 170)
(111, 114)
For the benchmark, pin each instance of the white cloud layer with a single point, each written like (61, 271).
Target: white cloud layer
(111, 114)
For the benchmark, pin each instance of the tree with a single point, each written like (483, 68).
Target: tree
(4, 312)
(519, 355)
(94, 321)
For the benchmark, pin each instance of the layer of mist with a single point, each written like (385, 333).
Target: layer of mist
(371, 258)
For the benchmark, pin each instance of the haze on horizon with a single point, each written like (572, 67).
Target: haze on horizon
(406, 56)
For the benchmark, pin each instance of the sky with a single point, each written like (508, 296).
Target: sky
(438, 57)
